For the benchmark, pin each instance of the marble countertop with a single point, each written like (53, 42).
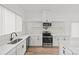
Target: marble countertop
(5, 48)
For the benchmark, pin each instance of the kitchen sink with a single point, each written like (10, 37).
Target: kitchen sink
(15, 41)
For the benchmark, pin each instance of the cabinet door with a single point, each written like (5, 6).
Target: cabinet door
(21, 48)
(55, 41)
(1, 20)
(8, 21)
(12, 52)
(24, 46)
(27, 42)
(36, 40)
(18, 24)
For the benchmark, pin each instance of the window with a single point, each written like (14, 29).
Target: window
(75, 30)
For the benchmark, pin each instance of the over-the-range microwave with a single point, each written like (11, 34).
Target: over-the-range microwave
(47, 24)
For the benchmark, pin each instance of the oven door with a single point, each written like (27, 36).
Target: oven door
(47, 39)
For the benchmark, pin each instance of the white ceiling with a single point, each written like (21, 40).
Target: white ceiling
(53, 7)
(60, 11)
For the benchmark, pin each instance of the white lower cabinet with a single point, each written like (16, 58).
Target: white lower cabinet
(12, 52)
(55, 41)
(21, 48)
(36, 40)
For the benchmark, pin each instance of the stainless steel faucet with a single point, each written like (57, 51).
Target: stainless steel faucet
(12, 34)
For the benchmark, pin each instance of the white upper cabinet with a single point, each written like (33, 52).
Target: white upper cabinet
(0, 21)
(18, 25)
(8, 21)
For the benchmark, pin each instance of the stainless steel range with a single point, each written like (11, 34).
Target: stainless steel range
(47, 39)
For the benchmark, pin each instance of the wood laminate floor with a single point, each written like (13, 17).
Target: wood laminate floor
(43, 51)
